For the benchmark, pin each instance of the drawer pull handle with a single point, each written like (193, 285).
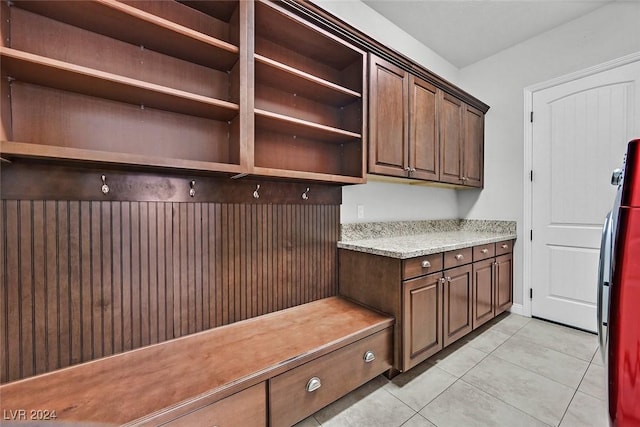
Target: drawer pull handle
(459, 257)
(369, 356)
(485, 250)
(426, 264)
(505, 246)
(313, 384)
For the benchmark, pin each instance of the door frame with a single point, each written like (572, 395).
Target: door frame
(528, 161)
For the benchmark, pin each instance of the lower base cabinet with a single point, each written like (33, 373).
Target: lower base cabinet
(245, 408)
(457, 311)
(483, 291)
(422, 309)
(298, 393)
(504, 283)
(436, 299)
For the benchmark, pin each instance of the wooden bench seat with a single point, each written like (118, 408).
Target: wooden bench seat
(162, 382)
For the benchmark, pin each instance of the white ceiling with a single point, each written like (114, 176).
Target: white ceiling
(466, 31)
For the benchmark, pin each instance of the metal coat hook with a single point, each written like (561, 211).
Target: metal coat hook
(305, 195)
(192, 189)
(256, 195)
(105, 187)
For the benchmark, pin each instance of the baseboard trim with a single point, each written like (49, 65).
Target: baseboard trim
(517, 309)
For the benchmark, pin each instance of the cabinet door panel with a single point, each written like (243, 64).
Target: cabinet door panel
(388, 120)
(422, 311)
(424, 148)
(451, 136)
(504, 282)
(457, 303)
(473, 147)
(483, 281)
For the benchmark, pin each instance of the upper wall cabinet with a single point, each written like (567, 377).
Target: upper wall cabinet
(309, 100)
(403, 131)
(419, 131)
(139, 83)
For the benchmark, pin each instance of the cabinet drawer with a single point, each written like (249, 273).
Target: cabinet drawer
(458, 257)
(504, 247)
(245, 408)
(328, 377)
(481, 252)
(419, 266)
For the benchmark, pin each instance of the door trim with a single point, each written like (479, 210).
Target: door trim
(528, 159)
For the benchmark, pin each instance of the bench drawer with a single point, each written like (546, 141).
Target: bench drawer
(245, 408)
(481, 252)
(328, 378)
(419, 266)
(457, 257)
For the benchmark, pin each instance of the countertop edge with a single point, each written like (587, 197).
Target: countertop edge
(423, 250)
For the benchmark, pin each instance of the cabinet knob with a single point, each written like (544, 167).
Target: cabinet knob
(407, 169)
(484, 251)
(313, 384)
(505, 246)
(448, 279)
(426, 264)
(459, 257)
(369, 356)
(464, 178)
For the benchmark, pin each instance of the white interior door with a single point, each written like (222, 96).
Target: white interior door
(580, 132)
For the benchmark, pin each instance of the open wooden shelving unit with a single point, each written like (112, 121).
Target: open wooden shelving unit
(143, 84)
(238, 87)
(309, 99)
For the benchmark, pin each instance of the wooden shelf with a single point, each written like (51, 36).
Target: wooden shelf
(296, 127)
(294, 34)
(308, 176)
(56, 74)
(129, 24)
(10, 149)
(282, 76)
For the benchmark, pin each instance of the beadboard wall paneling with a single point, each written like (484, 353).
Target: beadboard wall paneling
(86, 279)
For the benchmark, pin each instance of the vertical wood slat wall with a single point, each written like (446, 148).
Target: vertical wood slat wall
(86, 279)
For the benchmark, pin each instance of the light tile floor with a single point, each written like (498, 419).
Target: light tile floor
(514, 371)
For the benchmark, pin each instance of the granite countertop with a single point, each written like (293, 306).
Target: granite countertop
(409, 239)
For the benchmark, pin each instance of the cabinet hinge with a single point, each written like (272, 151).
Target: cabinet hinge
(531, 117)
(531, 235)
(530, 293)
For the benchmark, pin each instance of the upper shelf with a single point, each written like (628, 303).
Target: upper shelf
(56, 74)
(281, 75)
(302, 128)
(135, 26)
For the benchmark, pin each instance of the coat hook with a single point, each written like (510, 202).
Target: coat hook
(105, 187)
(192, 189)
(305, 195)
(256, 195)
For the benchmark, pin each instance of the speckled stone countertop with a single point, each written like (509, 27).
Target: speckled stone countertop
(408, 239)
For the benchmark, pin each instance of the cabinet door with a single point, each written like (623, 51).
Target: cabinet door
(504, 282)
(388, 118)
(424, 148)
(451, 139)
(483, 283)
(457, 303)
(421, 314)
(473, 158)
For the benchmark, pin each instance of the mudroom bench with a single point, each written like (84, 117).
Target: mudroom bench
(274, 369)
